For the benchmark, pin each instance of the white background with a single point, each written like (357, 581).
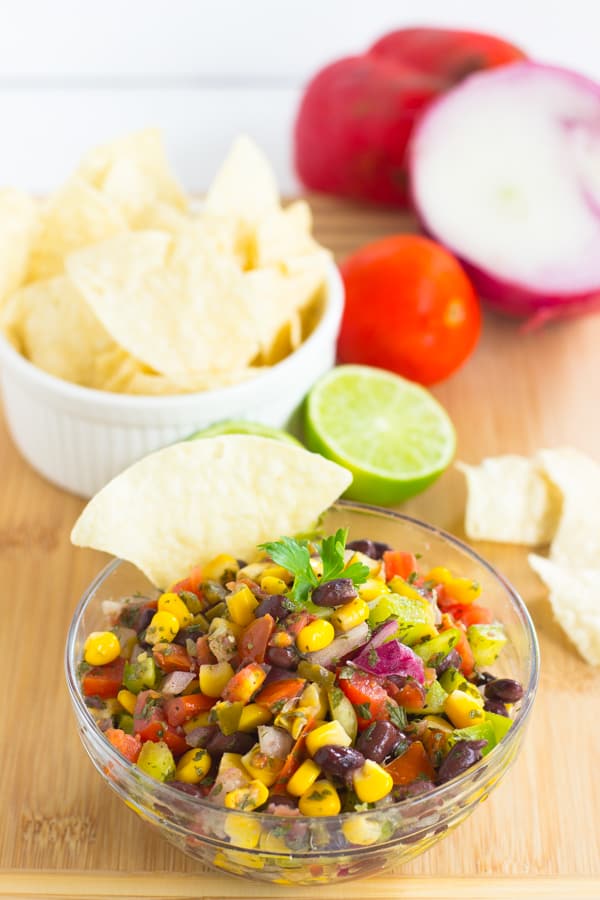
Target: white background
(77, 72)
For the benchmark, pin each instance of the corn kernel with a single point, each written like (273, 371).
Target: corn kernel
(260, 766)
(372, 589)
(199, 721)
(273, 585)
(193, 766)
(371, 782)
(101, 647)
(303, 778)
(254, 715)
(278, 572)
(463, 710)
(361, 830)
(355, 556)
(214, 678)
(249, 797)
(221, 565)
(241, 606)
(127, 700)
(462, 590)
(350, 614)
(163, 627)
(321, 799)
(174, 604)
(315, 636)
(329, 733)
(242, 831)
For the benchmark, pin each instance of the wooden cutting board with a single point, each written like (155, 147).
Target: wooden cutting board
(64, 834)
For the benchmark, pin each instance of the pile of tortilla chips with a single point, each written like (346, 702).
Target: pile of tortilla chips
(553, 498)
(114, 283)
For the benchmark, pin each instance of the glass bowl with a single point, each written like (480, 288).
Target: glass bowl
(302, 849)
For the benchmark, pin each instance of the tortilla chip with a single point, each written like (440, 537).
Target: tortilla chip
(76, 216)
(283, 239)
(509, 498)
(576, 476)
(153, 384)
(56, 330)
(182, 506)
(244, 188)
(180, 318)
(574, 593)
(18, 224)
(111, 167)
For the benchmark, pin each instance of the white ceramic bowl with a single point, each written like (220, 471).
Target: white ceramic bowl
(80, 438)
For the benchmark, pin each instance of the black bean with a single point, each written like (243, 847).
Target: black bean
(480, 678)
(238, 742)
(398, 680)
(201, 736)
(338, 760)
(275, 605)
(334, 593)
(496, 706)
(143, 619)
(374, 549)
(505, 689)
(452, 660)
(460, 758)
(378, 741)
(282, 658)
(186, 788)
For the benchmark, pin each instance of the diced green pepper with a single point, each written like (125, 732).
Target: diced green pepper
(126, 723)
(452, 680)
(486, 642)
(435, 697)
(413, 613)
(500, 724)
(441, 645)
(314, 672)
(140, 674)
(484, 731)
(193, 603)
(218, 609)
(156, 760)
(342, 711)
(228, 715)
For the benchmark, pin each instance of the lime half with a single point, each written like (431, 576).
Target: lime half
(240, 426)
(391, 433)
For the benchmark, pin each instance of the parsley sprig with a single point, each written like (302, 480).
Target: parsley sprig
(294, 555)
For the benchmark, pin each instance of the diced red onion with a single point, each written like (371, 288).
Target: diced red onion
(274, 742)
(392, 658)
(341, 646)
(176, 682)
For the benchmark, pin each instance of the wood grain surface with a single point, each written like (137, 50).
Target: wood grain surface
(64, 834)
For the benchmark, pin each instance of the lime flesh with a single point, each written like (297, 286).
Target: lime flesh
(239, 426)
(390, 433)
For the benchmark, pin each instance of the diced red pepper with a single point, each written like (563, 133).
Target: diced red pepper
(286, 689)
(411, 695)
(128, 745)
(398, 562)
(204, 654)
(180, 709)
(244, 683)
(104, 681)
(413, 764)
(253, 643)
(172, 657)
(475, 614)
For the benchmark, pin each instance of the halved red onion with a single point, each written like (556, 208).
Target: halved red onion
(505, 171)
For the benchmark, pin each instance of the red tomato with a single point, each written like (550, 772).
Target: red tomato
(104, 681)
(410, 308)
(398, 562)
(253, 643)
(128, 745)
(475, 614)
(179, 709)
(369, 698)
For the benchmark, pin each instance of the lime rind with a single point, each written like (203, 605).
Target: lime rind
(392, 434)
(241, 426)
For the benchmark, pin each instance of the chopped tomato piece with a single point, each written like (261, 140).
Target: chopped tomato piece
(412, 765)
(476, 614)
(204, 654)
(172, 657)
(104, 681)
(397, 562)
(411, 695)
(463, 648)
(180, 709)
(286, 689)
(255, 639)
(244, 683)
(191, 583)
(369, 698)
(128, 745)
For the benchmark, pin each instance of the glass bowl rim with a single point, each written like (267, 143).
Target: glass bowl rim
(163, 792)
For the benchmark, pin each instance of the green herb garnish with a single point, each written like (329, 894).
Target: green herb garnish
(294, 556)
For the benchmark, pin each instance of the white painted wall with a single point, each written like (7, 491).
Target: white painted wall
(76, 72)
